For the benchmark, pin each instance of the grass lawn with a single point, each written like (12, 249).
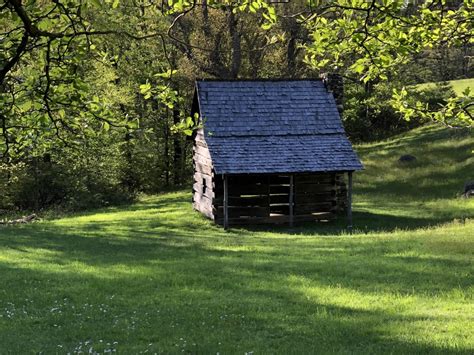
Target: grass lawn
(458, 85)
(157, 277)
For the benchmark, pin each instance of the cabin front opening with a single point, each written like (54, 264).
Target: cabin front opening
(278, 198)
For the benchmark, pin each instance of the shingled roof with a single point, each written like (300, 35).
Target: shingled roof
(273, 126)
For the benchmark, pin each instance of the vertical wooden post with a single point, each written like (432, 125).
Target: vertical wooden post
(291, 199)
(268, 196)
(349, 202)
(226, 202)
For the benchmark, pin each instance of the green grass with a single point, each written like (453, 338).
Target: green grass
(157, 277)
(458, 85)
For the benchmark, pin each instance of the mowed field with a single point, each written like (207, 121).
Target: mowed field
(157, 277)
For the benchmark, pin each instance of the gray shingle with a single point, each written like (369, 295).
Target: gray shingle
(273, 127)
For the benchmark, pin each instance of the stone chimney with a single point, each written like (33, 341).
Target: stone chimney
(335, 85)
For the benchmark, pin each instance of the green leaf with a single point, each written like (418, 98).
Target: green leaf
(25, 106)
(358, 67)
(144, 88)
(96, 3)
(45, 25)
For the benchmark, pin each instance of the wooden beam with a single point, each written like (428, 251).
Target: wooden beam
(226, 202)
(349, 202)
(291, 194)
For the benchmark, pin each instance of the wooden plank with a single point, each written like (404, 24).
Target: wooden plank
(341, 193)
(201, 144)
(314, 208)
(317, 204)
(243, 189)
(323, 216)
(205, 211)
(198, 158)
(279, 189)
(226, 201)
(204, 152)
(314, 188)
(198, 190)
(204, 175)
(349, 202)
(314, 197)
(200, 177)
(248, 179)
(202, 202)
(280, 198)
(200, 135)
(291, 200)
(280, 209)
(259, 178)
(249, 200)
(278, 179)
(277, 219)
(202, 165)
(238, 211)
(313, 178)
(203, 168)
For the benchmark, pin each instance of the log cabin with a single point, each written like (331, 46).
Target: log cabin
(271, 151)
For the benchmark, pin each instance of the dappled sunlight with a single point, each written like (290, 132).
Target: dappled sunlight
(407, 317)
(200, 284)
(156, 272)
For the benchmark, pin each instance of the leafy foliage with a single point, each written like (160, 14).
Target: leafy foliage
(458, 110)
(373, 39)
(114, 78)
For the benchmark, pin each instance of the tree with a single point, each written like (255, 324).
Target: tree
(371, 40)
(113, 78)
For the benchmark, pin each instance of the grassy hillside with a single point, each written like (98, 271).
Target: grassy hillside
(157, 277)
(458, 85)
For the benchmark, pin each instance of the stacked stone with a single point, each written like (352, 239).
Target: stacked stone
(334, 84)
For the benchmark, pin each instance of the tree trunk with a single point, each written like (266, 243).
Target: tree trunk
(166, 152)
(177, 152)
(291, 48)
(236, 45)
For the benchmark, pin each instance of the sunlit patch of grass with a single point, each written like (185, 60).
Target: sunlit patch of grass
(158, 277)
(458, 85)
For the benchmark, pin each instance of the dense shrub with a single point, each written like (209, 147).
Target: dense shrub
(71, 178)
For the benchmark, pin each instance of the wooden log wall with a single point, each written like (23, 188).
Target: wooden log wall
(203, 185)
(265, 198)
(341, 192)
(248, 198)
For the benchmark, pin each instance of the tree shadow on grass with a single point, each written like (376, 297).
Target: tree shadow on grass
(363, 223)
(204, 279)
(143, 242)
(208, 290)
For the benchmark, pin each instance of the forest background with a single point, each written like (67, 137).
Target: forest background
(95, 95)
